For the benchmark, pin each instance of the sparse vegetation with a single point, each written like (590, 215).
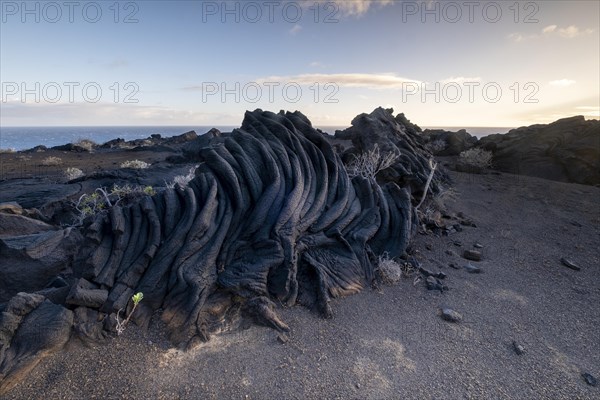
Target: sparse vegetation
(433, 166)
(73, 173)
(86, 144)
(182, 180)
(136, 298)
(7, 151)
(390, 271)
(102, 199)
(369, 164)
(52, 161)
(135, 164)
(476, 157)
(437, 145)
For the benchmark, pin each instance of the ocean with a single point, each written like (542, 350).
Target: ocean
(22, 138)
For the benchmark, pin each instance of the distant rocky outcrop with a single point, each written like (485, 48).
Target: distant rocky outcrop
(392, 135)
(567, 150)
(448, 143)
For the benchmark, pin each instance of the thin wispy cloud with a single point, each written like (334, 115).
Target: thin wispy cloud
(295, 29)
(572, 31)
(589, 111)
(569, 32)
(356, 80)
(359, 7)
(562, 82)
(460, 80)
(344, 8)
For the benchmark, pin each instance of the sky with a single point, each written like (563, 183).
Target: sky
(442, 63)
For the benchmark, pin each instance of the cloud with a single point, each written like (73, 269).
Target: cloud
(316, 64)
(359, 7)
(589, 111)
(517, 37)
(295, 29)
(373, 81)
(569, 32)
(572, 32)
(562, 82)
(459, 79)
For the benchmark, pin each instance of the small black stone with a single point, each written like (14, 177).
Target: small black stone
(472, 255)
(435, 284)
(570, 264)
(589, 379)
(283, 338)
(450, 315)
(518, 348)
(472, 269)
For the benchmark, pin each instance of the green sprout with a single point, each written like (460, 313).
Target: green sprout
(136, 298)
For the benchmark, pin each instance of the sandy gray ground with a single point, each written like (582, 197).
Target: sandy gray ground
(391, 343)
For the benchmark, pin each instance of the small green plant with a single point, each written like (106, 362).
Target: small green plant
(135, 164)
(73, 173)
(136, 298)
(149, 190)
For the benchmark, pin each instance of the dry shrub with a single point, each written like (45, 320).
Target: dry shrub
(73, 173)
(369, 163)
(86, 144)
(51, 161)
(476, 157)
(135, 164)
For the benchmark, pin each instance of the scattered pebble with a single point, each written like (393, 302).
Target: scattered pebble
(283, 338)
(454, 266)
(577, 224)
(518, 348)
(426, 272)
(450, 253)
(450, 315)
(429, 246)
(472, 269)
(589, 379)
(570, 264)
(434, 284)
(457, 243)
(478, 245)
(458, 228)
(473, 255)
